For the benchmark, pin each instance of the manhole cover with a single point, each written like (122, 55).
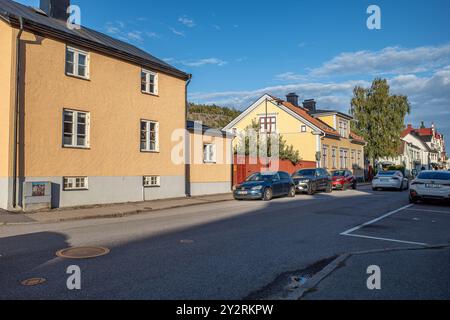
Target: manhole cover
(33, 282)
(82, 252)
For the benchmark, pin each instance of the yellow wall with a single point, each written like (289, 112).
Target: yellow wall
(206, 172)
(116, 105)
(329, 120)
(288, 126)
(7, 62)
(342, 144)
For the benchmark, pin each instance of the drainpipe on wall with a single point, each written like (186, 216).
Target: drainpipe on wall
(16, 114)
(187, 145)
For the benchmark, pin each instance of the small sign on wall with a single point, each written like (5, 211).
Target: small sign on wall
(37, 196)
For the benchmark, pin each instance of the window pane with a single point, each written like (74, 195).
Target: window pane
(68, 128)
(81, 141)
(81, 129)
(69, 56)
(81, 118)
(67, 140)
(152, 88)
(82, 59)
(68, 116)
(152, 146)
(81, 71)
(143, 145)
(143, 125)
(69, 68)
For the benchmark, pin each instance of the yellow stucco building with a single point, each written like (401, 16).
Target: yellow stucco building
(90, 114)
(321, 136)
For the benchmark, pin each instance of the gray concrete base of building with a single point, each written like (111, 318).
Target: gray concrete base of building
(201, 189)
(102, 190)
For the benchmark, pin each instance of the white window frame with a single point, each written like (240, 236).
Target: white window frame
(76, 57)
(334, 155)
(148, 74)
(325, 156)
(303, 129)
(152, 181)
(208, 149)
(74, 134)
(148, 134)
(73, 181)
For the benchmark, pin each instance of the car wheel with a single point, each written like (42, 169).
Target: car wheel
(292, 192)
(268, 194)
(355, 185)
(401, 187)
(310, 190)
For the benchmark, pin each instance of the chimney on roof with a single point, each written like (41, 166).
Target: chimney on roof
(292, 98)
(56, 8)
(410, 126)
(310, 104)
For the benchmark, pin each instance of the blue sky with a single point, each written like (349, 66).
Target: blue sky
(238, 50)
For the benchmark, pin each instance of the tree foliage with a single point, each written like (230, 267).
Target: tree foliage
(380, 118)
(264, 144)
(212, 115)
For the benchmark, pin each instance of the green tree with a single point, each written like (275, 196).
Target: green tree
(264, 142)
(380, 118)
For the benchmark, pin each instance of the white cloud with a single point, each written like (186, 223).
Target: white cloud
(429, 95)
(290, 76)
(177, 32)
(188, 22)
(203, 62)
(135, 36)
(388, 61)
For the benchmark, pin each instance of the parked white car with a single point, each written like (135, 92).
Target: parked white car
(390, 180)
(430, 185)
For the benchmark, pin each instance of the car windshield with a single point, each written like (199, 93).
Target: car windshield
(435, 175)
(309, 172)
(338, 173)
(387, 173)
(260, 177)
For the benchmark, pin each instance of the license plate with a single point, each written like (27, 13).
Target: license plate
(433, 186)
(242, 192)
(385, 180)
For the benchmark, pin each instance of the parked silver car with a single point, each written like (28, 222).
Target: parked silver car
(390, 180)
(430, 185)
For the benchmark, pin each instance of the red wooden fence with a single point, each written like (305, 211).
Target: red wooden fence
(245, 166)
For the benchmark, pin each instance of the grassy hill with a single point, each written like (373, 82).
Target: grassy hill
(212, 115)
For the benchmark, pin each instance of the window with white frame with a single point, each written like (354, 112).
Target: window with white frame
(75, 183)
(359, 159)
(76, 128)
(152, 181)
(209, 153)
(77, 63)
(333, 156)
(268, 124)
(343, 128)
(149, 82)
(353, 157)
(325, 157)
(149, 136)
(345, 159)
(303, 128)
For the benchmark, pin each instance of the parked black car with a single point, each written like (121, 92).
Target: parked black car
(312, 180)
(265, 186)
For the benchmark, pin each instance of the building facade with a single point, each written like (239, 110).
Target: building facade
(322, 137)
(90, 114)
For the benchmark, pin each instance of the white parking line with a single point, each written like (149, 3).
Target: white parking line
(349, 232)
(346, 233)
(433, 211)
(386, 239)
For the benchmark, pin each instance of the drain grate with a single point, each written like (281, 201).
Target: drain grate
(83, 252)
(33, 282)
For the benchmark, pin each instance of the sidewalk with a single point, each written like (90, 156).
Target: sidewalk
(107, 211)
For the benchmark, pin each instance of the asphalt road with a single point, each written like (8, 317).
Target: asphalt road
(231, 250)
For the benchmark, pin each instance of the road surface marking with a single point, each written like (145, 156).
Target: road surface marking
(385, 239)
(346, 233)
(423, 210)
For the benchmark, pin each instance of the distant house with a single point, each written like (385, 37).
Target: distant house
(322, 137)
(432, 144)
